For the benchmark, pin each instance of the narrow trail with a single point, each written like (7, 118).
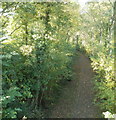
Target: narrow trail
(77, 98)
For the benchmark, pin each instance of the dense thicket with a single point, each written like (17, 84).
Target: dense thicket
(36, 54)
(38, 41)
(96, 36)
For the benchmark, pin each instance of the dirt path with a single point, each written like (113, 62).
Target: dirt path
(76, 100)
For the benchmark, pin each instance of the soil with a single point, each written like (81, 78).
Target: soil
(76, 100)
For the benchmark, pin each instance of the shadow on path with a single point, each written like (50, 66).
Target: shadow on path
(77, 98)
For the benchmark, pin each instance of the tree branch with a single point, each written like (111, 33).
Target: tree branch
(14, 31)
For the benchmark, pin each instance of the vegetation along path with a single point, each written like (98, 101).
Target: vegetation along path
(77, 98)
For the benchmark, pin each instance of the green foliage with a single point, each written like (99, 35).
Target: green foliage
(98, 42)
(9, 99)
(36, 55)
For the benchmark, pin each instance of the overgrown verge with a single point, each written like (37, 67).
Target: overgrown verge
(36, 54)
(99, 45)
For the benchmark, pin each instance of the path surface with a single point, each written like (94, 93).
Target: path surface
(77, 98)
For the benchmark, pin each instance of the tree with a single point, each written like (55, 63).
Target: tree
(36, 54)
(96, 37)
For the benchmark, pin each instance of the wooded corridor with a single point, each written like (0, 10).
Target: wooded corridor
(57, 59)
